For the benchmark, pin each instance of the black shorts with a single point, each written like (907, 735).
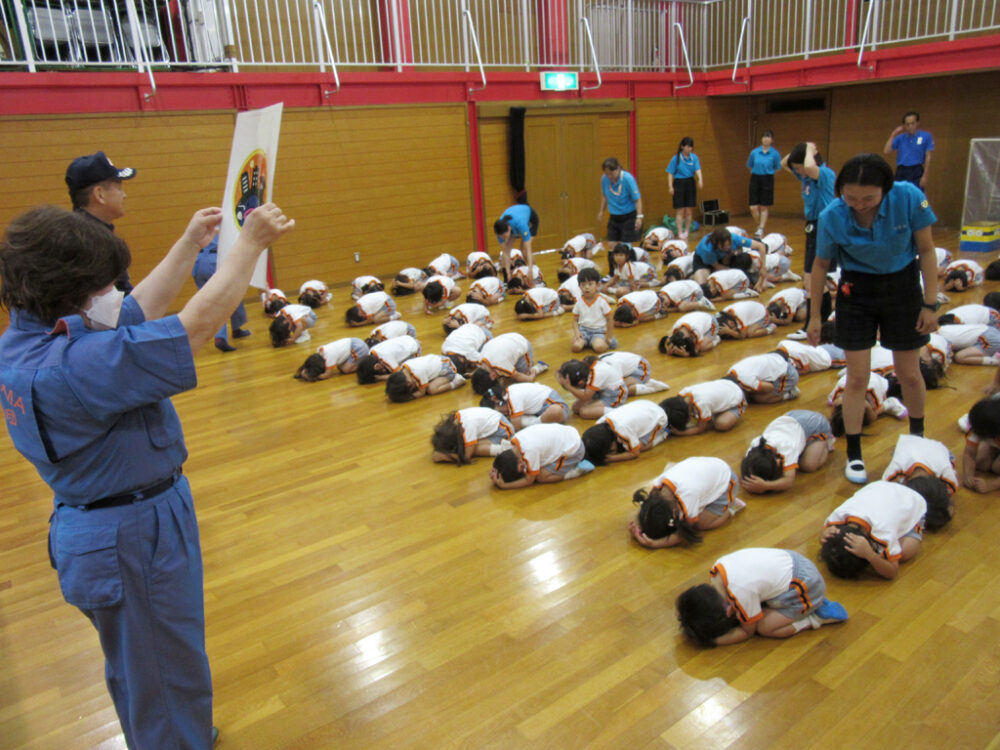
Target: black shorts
(885, 307)
(762, 190)
(911, 173)
(685, 193)
(812, 231)
(533, 223)
(621, 228)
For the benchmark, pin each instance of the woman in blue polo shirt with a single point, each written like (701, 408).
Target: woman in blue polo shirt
(763, 162)
(620, 195)
(682, 171)
(879, 231)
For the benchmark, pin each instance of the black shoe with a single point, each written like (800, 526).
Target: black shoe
(240, 333)
(224, 346)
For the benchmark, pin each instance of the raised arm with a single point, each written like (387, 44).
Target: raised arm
(888, 149)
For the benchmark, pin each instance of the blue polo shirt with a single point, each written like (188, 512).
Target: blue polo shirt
(90, 409)
(621, 196)
(761, 162)
(817, 194)
(683, 167)
(518, 216)
(911, 150)
(710, 255)
(885, 248)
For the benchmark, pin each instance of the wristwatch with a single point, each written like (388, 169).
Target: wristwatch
(932, 306)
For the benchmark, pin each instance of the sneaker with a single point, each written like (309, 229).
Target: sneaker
(303, 338)
(800, 335)
(791, 276)
(585, 467)
(794, 393)
(963, 423)
(541, 367)
(706, 304)
(943, 298)
(855, 472)
(894, 407)
(224, 346)
(736, 506)
(758, 234)
(831, 611)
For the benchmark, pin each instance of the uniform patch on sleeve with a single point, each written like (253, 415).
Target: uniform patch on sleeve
(925, 203)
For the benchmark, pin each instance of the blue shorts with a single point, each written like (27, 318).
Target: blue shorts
(787, 383)
(555, 397)
(807, 592)
(504, 432)
(447, 369)
(589, 334)
(566, 463)
(612, 399)
(523, 364)
(989, 341)
(721, 504)
(814, 424)
(641, 373)
(310, 319)
(914, 533)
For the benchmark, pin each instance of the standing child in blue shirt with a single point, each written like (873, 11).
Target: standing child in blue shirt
(880, 233)
(913, 148)
(805, 164)
(763, 162)
(682, 171)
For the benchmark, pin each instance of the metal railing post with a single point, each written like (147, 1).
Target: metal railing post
(687, 60)
(22, 28)
(864, 35)
(139, 46)
(739, 50)
(593, 55)
(320, 19)
(229, 36)
(475, 45)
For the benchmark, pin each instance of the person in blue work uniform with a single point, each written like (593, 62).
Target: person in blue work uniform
(914, 149)
(204, 267)
(763, 162)
(620, 195)
(86, 376)
(715, 251)
(879, 231)
(96, 192)
(806, 165)
(518, 221)
(682, 172)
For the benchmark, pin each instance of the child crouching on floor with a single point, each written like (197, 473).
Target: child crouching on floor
(428, 375)
(340, 356)
(690, 496)
(624, 432)
(597, 386)
(797, 441)
(543, 453)
(525, 404)
(774, 593)
(719, 403)
(292, 323)
(928, 467)
(462, 435)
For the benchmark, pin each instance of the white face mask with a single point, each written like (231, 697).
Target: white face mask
(105, 308)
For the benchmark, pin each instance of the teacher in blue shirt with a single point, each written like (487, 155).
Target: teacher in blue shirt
(914, 149)
(620, 195)
(879, 231)
(763, 162)
(517, 222)
(87, 375)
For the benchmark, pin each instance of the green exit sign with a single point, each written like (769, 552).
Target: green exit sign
(560, 80)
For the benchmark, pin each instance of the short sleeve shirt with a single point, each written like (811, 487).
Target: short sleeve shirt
(911, 150)
(636, 423)
(913, 452)
(697, 482)
(503, 352)
(592, 315)
(479, 423)
(393, 352)
(518, 217)
(340, 351)
(621, 196)
(466, 341)
(683, 167)
(710, 255)
(886, 510)
(764, 162)
(714, 397)
(885, 248)
(817, 194)
(786, 436)
(543, 444)
(753, 576)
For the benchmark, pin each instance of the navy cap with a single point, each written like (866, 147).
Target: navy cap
(85, 171)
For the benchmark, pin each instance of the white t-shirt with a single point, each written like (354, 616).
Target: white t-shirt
(714, 397)
(685, 264)
(466, 341)
(521, 272)
(656, 236)
(503, 352)
(543, 444)
(295, 313)
(472, 312)
(476, 257)
(685, 290)
(340, 351)
(424, 369)
(393, 352)
(528, 398)
(625, 362)
(878, 388)
(966, 265)
(374, 302)
(489, 286)
(478, 423)
(642, 302)
(697, 482)
(789, 299)
(977, 315)
(357, 285)
(806, 358)
(572, 286)
(546, 300)
(444, 265)
(701, 325)
(728, 280)
(634, 421)
(753, 576)
(578, 264)
(413, 275)
(738, 231)
(592, 315)
(446, 282)
(605, 377)
(760, 368)
(943, 257)
(580, 243)
(787, 438)
(940, 349)
(635, 270)
(391, 330)
(887, 510)
(914, 452)
(747, 312)
(776, 243)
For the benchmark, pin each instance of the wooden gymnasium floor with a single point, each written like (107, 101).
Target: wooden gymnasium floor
(359, 596)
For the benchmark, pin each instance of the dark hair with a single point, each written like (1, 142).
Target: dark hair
(911, 112)
(660, 516)
(372, 340)
(563, 275)
(827, 331)
(706, 290)
(447, 438)
(434, 292)
(685, 141)
(610, 163)
(837, 420)
(589, 274)
(401, 291)
(623, 248)
(515, 284)
(726, 318)
(682, 340)
(719, 237)
(673, 273)
(576, 371)
(52, 261)
(524, 306)
(937, 493)
(984, 418)
(462, 365)
(701, 611)
(273, 306)
(311, 298)
(366, 371)
(482, 381)
(992, 271)
(281, 331)
(624, 313)
(959, 274)
(761, 461)
(931, 372)
(80, 197)
(777, 310)
(373, 286)
(678, 412)
(798, 156)
(841, 561)
(992, 299)
(495, 396)
(500, 226)
(741, 261)
(670, 253)
(566, 297)
(894, 389)
(354, 314)
(398, 388)
(598, 442)
(484, 272)
(767, 134)
(507, 466)
(312, 368)
(870, 170)
(946, 320)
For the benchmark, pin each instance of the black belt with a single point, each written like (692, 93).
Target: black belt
(134, 497)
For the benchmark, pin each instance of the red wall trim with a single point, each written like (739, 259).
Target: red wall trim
(91, 92)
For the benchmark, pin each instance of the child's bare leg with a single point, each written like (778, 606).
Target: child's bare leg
(708, 520)
(986, 456)
(553, 413)
(814, 456)
(771, 397)
(483, 448)
(773, 624)
(599, 344)
(591, 409)
(578, 344)
(725, 421)
(910, 547)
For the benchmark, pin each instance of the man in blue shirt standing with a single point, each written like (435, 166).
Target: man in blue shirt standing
(913, 149)
(518, 221)
(620, 195)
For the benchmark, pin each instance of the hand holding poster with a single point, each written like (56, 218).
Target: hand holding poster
(250, 179)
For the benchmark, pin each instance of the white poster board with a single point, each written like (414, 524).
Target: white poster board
(250, 179)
